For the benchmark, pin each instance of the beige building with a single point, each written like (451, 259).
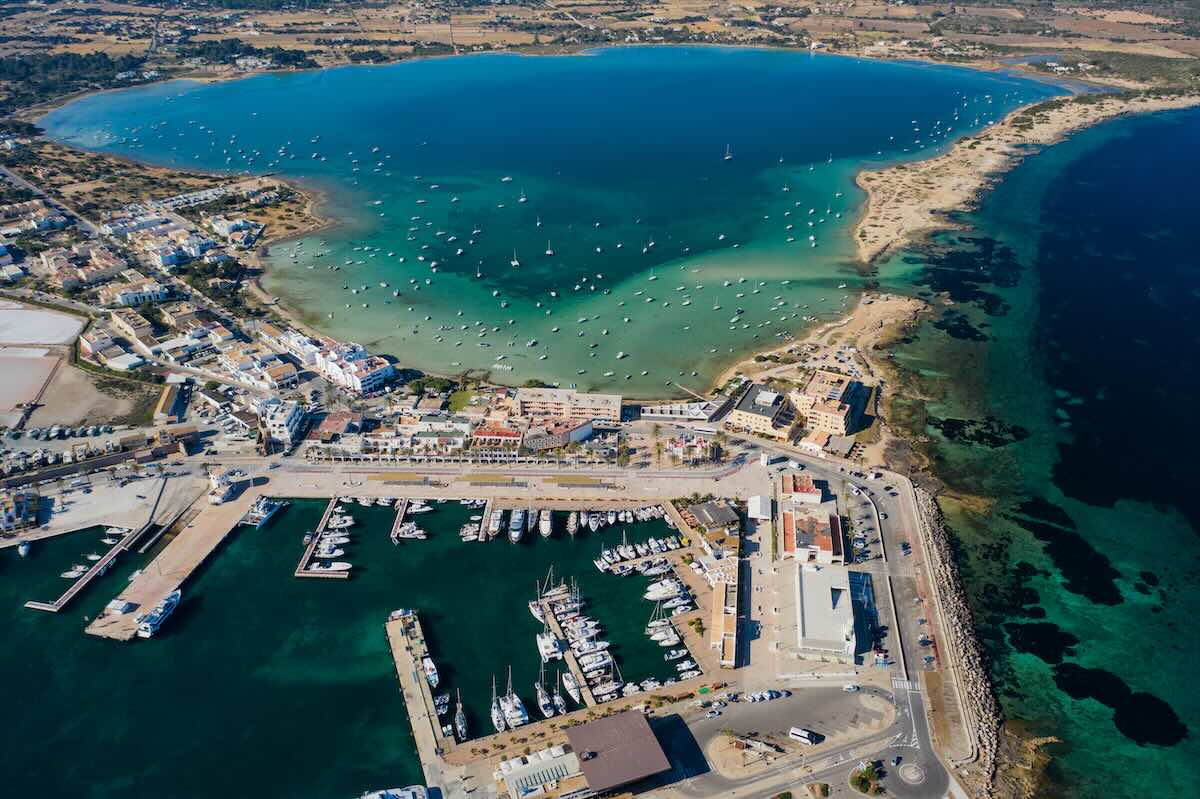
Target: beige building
(563, 403)
(824, 403)
(828, 417)
(131, 324)
(759, 411)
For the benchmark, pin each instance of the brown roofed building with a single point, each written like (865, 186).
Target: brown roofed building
(617, 750)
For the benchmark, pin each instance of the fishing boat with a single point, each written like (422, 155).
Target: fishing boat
(497, 710)
(431, 672)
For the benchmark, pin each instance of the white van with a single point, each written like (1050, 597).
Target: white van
(807, 737)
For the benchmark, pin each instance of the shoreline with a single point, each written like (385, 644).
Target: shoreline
(316, 198)
(914, 198)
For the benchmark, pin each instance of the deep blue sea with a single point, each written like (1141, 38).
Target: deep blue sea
(1062, 376)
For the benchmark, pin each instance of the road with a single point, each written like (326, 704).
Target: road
(822, 709)
(81, 221)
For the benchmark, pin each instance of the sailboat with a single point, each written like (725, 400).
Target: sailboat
(460, 718)
(560, 704)
(543, 698)
(535, 605)
(514, 709)
(572, 685)
(497, 711)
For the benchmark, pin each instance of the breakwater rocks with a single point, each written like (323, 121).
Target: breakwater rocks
(980, 710)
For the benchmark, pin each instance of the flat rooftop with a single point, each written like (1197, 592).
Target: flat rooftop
(760, 401)
(617, 750)
(826, 615)
(828, 385)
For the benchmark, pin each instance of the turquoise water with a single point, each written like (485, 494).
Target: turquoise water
(613, 150)
(1072, 329)
(264, 682)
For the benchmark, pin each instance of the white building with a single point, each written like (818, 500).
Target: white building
(565, 403)
(283, 420)
(351, 367)
(824, 613)
(759, 508)
(134, 294)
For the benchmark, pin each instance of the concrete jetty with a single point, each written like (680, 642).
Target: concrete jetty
(302, 568)
(171, 568)
(487, 516)
(572, 662)
(401, 511)
(407, 641)
(99, 568)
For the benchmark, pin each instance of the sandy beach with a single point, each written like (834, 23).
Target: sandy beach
(915, 197)
(864, 330)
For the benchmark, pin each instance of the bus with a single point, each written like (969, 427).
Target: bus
(807, 737)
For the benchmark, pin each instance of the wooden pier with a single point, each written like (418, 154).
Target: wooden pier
(99, 568)
(572, 662)
(302, 569)
(407, 641)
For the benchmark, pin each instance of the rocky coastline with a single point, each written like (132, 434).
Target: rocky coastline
(982, 717)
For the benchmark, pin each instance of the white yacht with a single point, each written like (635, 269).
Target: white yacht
(411, 792)
(545, 524)
(431, 672)
(516, 525)
(148, 624)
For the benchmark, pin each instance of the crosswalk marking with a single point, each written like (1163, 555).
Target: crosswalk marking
(905, 685)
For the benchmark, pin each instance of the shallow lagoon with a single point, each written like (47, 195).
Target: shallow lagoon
(620, 156)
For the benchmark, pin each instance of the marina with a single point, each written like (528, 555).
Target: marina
(287, 626)
(305, 567)
(98, 568)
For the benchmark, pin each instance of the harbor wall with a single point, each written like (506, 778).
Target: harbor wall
(980, 709)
